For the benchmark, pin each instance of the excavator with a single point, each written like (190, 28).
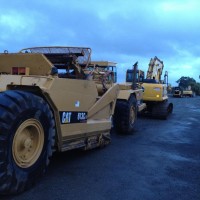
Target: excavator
(155, 90)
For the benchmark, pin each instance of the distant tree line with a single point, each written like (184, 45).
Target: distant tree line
(184, 82)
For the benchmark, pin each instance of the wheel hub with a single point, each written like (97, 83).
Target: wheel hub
(132, 115)
(28, 143)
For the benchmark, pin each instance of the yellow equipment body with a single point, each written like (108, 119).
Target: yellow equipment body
(47, 103)
(179, 92)
(188, 93)
(129, 100)
(155, 91)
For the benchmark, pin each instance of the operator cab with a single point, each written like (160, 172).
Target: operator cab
(130, 75)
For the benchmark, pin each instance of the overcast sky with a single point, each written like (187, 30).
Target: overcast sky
(123, 31)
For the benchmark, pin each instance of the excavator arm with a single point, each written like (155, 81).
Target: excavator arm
(155, 69)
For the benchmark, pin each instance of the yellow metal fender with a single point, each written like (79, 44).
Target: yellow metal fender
(125, 94)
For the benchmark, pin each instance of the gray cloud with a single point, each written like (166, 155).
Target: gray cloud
(116, 30)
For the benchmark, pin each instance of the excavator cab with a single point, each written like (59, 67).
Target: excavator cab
(139, 76)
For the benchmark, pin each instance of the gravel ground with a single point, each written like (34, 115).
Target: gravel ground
(160, 160)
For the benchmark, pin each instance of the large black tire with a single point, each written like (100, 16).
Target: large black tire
(162, 110)
(125, 115)
(27, 135)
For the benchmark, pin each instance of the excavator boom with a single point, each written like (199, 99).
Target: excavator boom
(155, 69)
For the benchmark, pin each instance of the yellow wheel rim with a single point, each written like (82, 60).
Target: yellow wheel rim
(28, 143)
(132, 115)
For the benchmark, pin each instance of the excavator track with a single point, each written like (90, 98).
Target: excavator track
(162, 110)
